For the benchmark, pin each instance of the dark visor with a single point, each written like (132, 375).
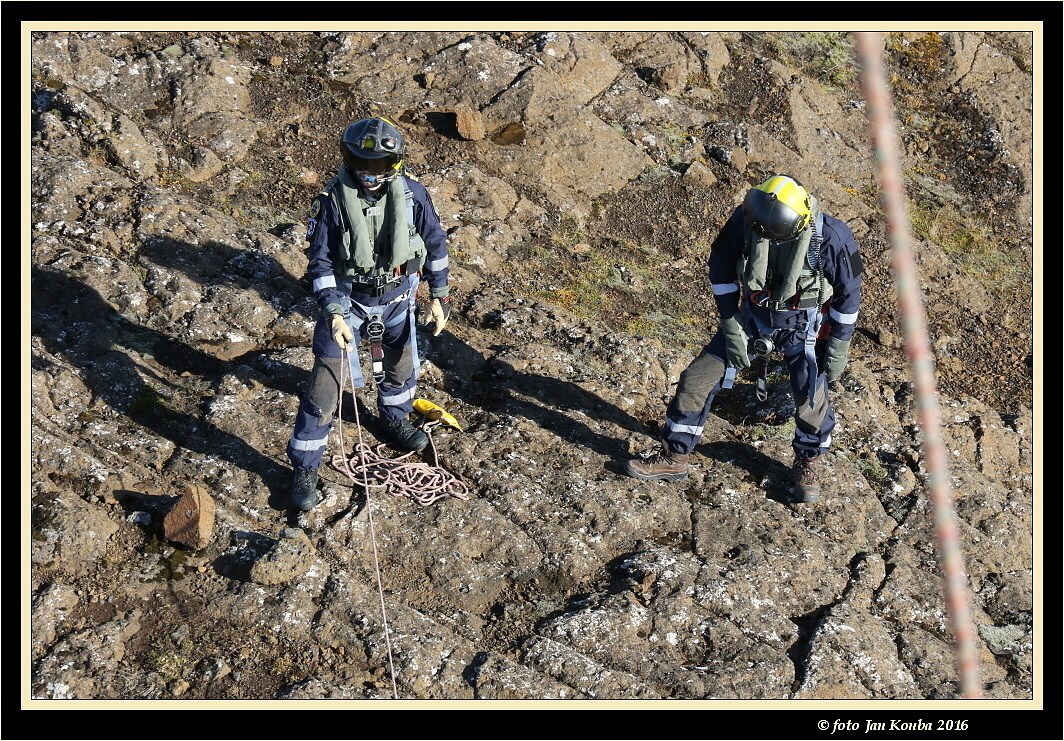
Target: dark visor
(377, 166)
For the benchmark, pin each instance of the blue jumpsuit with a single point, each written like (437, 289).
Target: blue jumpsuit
(395, 307)
(789, 331)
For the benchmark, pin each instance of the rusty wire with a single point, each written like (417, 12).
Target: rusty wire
(892, 195)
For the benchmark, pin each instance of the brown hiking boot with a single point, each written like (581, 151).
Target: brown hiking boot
(806, 476)
(663, 465)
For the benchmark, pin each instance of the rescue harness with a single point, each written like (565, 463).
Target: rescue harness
(783, 287)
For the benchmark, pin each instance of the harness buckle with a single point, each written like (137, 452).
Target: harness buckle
(384, 283)
(729, 377)
(377, 285)
(764, 300)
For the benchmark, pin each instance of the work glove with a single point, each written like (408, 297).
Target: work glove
(440, 312)
(341, 333)
(736, 343)
(836, 357)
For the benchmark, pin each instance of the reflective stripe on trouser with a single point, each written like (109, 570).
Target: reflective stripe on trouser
(685, 418)
(699, 384)
(395, 393)
(317, 409)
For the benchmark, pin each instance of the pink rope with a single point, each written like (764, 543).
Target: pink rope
(369, 513)
(917, 346)
(372, 469)
(421, 482)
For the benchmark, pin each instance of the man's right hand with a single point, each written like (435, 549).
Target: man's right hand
(341, 332)
(736, 343)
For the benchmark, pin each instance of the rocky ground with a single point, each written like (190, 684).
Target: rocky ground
(581, 177)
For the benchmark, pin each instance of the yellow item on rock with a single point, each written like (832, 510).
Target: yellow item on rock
(435, 413)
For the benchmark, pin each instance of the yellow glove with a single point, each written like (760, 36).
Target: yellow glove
(440, 312)
(341, 332)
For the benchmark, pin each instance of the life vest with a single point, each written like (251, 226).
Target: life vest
(379, 237)
(789, 274)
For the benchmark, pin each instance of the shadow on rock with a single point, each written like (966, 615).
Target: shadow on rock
(494, 385)
(249, 548)
(90, 334)
(218, 263)
(764, 471)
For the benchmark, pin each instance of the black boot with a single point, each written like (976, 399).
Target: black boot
(402, 435)
(304, 488)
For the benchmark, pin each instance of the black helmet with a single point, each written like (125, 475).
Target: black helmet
(778, 208)
(373, 151)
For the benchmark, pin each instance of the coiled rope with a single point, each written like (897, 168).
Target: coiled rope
(399, 477)
(878, 99)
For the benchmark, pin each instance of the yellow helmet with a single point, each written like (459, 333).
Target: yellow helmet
(778, 208)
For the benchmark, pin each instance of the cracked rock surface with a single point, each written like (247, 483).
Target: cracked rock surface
(581, 178)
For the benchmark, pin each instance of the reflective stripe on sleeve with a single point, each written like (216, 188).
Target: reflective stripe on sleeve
(842, 318)
(719, 289)
(435, 266)
(326, 281)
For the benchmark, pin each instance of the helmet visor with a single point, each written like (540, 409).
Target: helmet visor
(770, 217)
(377, 166)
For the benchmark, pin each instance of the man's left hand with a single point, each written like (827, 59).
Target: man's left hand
(440, 312)
(838, 355)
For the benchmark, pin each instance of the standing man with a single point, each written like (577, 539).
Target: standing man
(785, 278)
(374, 236)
